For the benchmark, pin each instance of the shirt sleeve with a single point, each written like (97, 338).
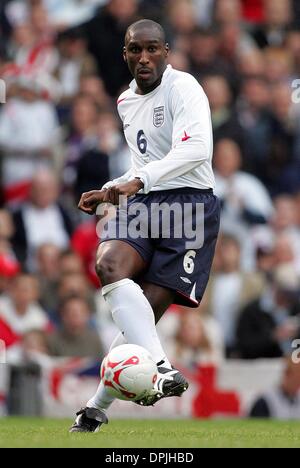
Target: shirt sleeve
(129, 174)
(120, 180)
(191, 136)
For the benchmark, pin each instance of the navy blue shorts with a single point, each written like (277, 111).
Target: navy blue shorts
(175, 232)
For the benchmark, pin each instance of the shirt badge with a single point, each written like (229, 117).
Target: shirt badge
(159, 116)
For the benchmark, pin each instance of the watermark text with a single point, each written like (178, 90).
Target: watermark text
(2, 92)
(296, 352)
(158, 221)
(296, 92)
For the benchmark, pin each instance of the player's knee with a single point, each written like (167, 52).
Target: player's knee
(107, 269)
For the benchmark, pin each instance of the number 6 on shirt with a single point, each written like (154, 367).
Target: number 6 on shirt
(142, 142)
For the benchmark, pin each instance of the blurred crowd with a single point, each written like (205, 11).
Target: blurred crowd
(60, 136)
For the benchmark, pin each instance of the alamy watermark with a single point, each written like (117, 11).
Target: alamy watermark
(296, 352)
(2, 352)
(2, 92)
(296, 92)
(159, 221)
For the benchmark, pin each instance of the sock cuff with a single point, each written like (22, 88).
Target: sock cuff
(110, 287)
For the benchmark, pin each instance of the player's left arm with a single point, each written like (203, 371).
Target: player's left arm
(192, 141)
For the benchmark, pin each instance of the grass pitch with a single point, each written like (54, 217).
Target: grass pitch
(44, 433)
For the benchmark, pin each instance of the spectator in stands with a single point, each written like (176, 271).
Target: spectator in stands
(5, 28)
(112, 143)
(230, 288)
(7, 228)
(267, 327)
(265, 261)
(92, 169)
(75, 283)
(70, 263)
(192, 336)
(224, 118)
(255, 118)
(282, 165)
(182, 20)
(19, 309)
(204, 58)
(74, 62)
(234, 39)
(35, 341)
(233, 187)
(278, 65)
(9, 266)
(40, 21)
(85, 242)
(228, 11)
(204, 11)
(154, 9)
(283, 401)
(75, 337)
(253, 11)
(284, 252)
(33, 348)
(48, 271)
(179, 60)
(251, 64)
(82, 137)
(105, 36)
(41, 220)
(69, 284)
(31, 51)
(293, 46)
(277, 16)
(28, 138)
(234, 42)
(92, 86)
(282, 232)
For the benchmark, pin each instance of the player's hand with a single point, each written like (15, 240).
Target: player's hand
(128, 189)
(90, 200)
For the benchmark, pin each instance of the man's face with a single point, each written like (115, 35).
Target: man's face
(146, 55)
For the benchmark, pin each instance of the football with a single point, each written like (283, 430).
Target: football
(128, 372)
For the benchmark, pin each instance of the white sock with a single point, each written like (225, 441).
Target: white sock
(101, 400)
(134, 316)
(118, 341)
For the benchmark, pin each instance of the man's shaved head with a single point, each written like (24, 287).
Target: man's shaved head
(146, 54)
(146, 24)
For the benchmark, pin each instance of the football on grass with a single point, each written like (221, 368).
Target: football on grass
(128, 372)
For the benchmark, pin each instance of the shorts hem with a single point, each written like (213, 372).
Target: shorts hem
(145, 255)
(180, 297)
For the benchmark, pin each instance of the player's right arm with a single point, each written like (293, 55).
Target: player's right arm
(90, 200)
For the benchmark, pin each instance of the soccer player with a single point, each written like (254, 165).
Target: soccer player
(167, 125)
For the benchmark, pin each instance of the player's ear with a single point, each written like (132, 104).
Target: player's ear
(167, 49)
(124, 54)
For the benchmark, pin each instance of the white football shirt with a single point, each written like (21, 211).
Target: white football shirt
(169, 134)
